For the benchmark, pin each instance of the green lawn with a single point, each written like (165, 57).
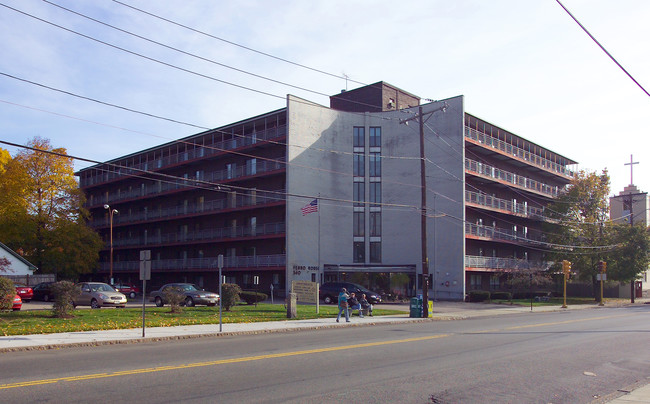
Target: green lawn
(42, 322)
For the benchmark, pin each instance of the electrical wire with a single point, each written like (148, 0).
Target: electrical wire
(603, 48)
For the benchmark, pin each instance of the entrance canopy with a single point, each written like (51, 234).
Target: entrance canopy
(331, 269)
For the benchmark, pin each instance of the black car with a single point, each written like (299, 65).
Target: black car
(43, 291)
(329, 292)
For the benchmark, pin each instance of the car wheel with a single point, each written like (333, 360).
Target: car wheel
(132, 295)
(189, 302)
(94, 304)
(159, 302)
(46, 298)
(328, 300)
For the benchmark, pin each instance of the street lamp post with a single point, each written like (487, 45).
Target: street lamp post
(111, 212)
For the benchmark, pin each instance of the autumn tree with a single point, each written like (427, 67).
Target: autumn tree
(580, 217)
(631, 254)
(42, 211)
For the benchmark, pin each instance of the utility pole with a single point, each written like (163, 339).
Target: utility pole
(631, 164)
(423, 203)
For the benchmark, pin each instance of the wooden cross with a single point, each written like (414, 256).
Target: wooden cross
(631, 164)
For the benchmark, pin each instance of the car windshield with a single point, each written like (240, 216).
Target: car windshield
(101, 287)
(188, 288)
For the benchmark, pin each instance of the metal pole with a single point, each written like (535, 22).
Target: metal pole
(144, 295)
(220, 265)
(110, 276)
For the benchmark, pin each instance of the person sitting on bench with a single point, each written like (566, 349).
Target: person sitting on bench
(353, 303)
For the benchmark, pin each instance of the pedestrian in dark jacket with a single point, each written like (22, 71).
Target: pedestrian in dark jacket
(353, 303)
(365, 305)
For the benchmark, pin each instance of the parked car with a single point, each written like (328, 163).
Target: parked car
(43, 291)
(25, 292)
(18, 303)
(130, 290)
(193, 295)
(98, 294)
(329, 292)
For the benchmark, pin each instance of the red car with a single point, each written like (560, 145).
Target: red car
(18, 303)
(129, 290)
(25, 292)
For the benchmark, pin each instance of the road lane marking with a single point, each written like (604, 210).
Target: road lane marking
(281, 355)
(213, 363)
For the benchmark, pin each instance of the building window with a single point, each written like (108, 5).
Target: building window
(359, 165)
(359, 251)
(230, 170)
(359, 136)
(359, 224)
(375, 224)
(251, 167)
(375, 193)
(375, 137)
(375, 165)
(375, 252)
(359, 193)
(475, 281)
(494, 282)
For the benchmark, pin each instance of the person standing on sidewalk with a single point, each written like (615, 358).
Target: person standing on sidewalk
(343, 305)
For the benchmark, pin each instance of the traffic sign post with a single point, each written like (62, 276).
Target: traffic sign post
(145, 275)
(220, 265)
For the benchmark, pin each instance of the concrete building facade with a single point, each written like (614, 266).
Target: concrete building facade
(320, 193)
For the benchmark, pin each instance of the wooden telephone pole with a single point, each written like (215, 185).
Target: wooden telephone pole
(420, 117)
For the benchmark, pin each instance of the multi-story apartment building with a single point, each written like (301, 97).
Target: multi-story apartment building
(310, 192)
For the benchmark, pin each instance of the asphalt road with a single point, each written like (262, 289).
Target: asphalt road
(561, 357)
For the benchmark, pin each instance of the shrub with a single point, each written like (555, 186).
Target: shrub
(252, 297)
(65, 292)
(174, 296)
(7, 293)
(501, 296)
(479, 295)
(229, 295)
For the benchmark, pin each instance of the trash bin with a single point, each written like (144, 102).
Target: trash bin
(416, 307)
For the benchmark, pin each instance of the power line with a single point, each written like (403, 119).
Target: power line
(345, 77)
(603, 48)
(144, 56)
(185, 52)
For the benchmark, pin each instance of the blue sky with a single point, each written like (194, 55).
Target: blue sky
(523, 65)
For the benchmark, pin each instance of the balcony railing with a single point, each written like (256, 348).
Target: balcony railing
(515, 208)
(501, 234)
(239, 201)
(217, 176)
(199, 152)
(506, 264)
(256, 261)
(203, 235)
(518, 152)
(485, 170)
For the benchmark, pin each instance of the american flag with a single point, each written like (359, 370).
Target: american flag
(310, 207)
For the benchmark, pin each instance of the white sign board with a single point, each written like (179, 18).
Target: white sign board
(601, 277)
